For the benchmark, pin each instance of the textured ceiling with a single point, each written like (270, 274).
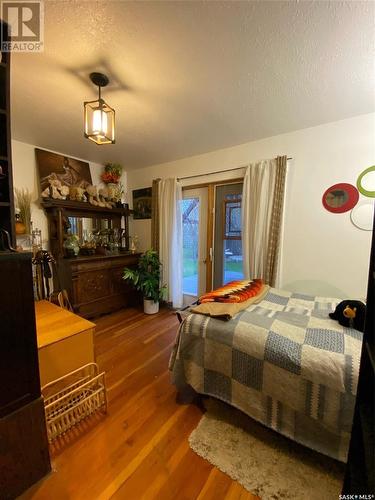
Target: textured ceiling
(192, 77)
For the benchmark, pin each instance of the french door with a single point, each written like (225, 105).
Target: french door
(194, 224)
(227, 262)
(212, 246)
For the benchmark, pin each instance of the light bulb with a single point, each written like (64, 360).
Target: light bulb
(100, 125)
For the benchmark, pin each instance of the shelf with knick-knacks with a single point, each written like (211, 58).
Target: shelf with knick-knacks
(94, 230)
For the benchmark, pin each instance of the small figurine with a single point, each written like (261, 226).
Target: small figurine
(134, 244)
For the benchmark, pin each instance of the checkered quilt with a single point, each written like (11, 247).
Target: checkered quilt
(283, 361)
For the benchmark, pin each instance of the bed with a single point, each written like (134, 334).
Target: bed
(282, 361)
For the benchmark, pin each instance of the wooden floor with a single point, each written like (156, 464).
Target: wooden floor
(140, 449)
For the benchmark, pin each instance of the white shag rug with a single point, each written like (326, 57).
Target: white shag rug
(264, 462)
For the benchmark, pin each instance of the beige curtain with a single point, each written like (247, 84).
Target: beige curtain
(276, 221)
(262, 207)
(170, 238)
(155, 215)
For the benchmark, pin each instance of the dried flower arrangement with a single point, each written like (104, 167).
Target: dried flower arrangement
(23, 201)
(112, 173)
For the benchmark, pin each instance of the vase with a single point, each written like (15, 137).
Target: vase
(20, 227)
(71, 246)
(150, 307)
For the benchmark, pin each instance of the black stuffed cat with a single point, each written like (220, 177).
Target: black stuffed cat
(350, 313)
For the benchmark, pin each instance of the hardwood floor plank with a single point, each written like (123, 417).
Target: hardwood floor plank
(140, 448)
(168, 452)
(138, 459)
(238, 492)
(140, 367)
(216, 486)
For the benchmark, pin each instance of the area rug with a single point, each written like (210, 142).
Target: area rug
(264, 462)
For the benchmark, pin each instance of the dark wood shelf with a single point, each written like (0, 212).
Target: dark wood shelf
(3, 158)
(49, 203)
(3, 64)
(4, 204)
(3, 111)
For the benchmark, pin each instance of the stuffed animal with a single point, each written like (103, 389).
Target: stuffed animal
(46, 193)
(55, 190)
(64, 191)
(76, 193)
(92, 195)
(104, 198)
(350, 313)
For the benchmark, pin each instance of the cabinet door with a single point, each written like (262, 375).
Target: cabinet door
(19, 371)
(93, 285)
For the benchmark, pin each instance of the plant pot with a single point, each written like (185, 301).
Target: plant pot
(150, 307)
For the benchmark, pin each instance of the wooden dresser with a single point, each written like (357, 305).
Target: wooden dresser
(95, 283)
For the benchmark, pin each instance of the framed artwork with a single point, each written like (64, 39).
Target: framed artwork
(142, 203)
(68, 171)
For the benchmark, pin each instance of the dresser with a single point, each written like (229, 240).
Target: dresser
(95, 283)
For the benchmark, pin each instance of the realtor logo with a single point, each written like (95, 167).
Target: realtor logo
(26, 26)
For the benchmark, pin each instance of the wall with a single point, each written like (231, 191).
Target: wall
(323, 253)
(25, 175)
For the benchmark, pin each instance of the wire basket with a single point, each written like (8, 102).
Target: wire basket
(73, 397)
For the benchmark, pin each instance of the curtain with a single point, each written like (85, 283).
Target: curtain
(262, 211)
(170, 238)
(155, 215)
(276, 220)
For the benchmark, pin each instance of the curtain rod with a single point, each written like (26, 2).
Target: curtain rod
(216, 172)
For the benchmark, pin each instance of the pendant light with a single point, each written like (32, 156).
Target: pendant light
(99, 117)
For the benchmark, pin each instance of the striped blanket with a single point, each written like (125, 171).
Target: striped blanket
(283, 362)
(233, 292)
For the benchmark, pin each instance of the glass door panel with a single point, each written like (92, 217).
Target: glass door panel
(190, 224)
(194, 227)
(227, 237)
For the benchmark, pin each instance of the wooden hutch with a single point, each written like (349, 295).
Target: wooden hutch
(94, 282)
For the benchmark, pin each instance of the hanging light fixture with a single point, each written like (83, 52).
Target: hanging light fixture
(99, 117)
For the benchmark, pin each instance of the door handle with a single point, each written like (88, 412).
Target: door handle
(211, 254)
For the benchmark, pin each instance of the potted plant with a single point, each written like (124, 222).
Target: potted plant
(146, 279)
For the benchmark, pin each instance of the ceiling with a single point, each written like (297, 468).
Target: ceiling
(191, 77)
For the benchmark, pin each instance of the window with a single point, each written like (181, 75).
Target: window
(232, 238)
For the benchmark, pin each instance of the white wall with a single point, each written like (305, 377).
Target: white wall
(25, 175)
(323, 253)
